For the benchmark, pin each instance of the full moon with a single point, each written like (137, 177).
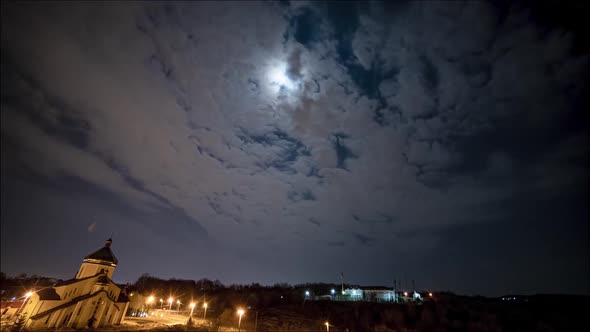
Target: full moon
(278, 77)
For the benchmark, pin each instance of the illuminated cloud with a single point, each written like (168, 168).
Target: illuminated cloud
(268, 133)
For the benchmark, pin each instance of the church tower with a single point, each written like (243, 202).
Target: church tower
(99, 261)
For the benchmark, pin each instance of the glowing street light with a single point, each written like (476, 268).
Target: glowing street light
(205, 311)
(170, 300)
(161, 303)
(333, 291)
(27, 295)
(192, 305)
(178, 308)
(240, 313)
(149, 302)
(327, 326)
(430, 294)
(405, 293)
(306, 293)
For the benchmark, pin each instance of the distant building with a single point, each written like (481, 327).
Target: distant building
(379, 295)
(91, 299)
(353, 294)
(417, 297)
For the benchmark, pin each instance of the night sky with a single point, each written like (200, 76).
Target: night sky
(445, 142)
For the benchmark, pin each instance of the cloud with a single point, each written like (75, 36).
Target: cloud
(363, 239)
(403, 121)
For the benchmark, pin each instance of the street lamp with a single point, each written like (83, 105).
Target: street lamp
(332, 292)
(161, 304)
(178, 308)
(149, 302)
(27, 295)
(170, 300)
(205, 312)
(192, 305)
(327, 326)
(240, 313)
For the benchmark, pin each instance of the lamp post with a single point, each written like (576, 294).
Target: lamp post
(149, 302)
(170, 300)
(240, 313)
(205, 310)
(192, 305)
(161, 304)
(178, 308)
(256, 322)
(27, 295)
(327, 326)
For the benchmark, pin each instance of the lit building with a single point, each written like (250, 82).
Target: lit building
(91, 299)
(379, 295)
(354, 294)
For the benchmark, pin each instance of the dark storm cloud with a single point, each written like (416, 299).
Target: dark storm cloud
(363, 239)
(288, 149)
(305, 26)
(381, 219)
(52, 114)
(301, 196)
(315, 222)
(294, 65)
(343, 132)
(342, 151)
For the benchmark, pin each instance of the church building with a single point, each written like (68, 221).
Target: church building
(91, 299)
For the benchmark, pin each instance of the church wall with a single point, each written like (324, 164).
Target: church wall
(68, 292)
(31, 305)
(85, 312)
(123, 312)
(62, 319)
(82, 313)
(88, 269)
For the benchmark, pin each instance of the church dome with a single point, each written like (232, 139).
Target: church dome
(103, 255)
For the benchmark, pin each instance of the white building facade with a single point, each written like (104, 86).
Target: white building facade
(380, 295)
(355, 294)
(91, 299)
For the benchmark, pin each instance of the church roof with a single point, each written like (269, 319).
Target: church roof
(104, 254)
(72, 281)
(48, 294)
(102, 280)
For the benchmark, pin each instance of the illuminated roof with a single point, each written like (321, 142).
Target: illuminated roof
(48, 294)
(103, 255)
